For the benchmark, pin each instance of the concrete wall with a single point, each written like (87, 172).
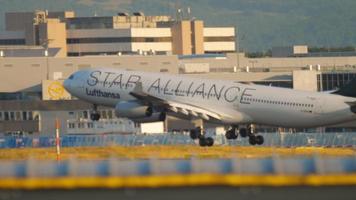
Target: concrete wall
(181, 38)
(220, 33)
(305, 80)
(52, 34)
(217, 64)
(197, 28)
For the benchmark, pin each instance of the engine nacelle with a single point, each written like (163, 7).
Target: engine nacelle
(138, 112)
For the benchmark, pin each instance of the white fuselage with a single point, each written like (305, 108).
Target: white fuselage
(237, 103)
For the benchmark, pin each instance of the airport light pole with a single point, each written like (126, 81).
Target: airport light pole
(45, 44)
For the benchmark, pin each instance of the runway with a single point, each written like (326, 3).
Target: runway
(204, 193)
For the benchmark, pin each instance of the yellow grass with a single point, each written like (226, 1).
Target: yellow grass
(169, 152)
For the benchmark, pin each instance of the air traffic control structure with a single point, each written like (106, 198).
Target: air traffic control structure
(39, 49)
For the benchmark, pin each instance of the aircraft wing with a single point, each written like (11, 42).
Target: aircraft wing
(177, 107)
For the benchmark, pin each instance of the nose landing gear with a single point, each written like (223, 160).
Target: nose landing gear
(95, 116)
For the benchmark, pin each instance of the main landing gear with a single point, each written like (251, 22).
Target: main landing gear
(95, 116)
(198, 133)
(249, 132)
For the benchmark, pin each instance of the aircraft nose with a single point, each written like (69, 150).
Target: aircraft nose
(67, 84)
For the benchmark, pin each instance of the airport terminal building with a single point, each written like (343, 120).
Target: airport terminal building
(38, 50)
(113, 35)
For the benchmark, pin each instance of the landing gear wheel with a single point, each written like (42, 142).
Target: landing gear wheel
(243, 132)
(209, 141)
(195, 133)
(95, 116)
(231, 134)
(259, 139)
(252, 140)
(202, 142)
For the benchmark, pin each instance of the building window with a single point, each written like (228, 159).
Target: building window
(118, 40)
(17, 115)
(6, 116)
(12, 116)
(103, 114)
(71, 125)
(85, 114)
(332, 80)
(219, 39)
(110, 114)
(90, 125)
(1, 116)
(12, 41)
(30, 115)
(24, 115)
(80, 125)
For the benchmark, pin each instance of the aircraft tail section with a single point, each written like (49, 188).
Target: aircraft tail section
(348, 90)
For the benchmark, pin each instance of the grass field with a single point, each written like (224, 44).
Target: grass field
(169, 152)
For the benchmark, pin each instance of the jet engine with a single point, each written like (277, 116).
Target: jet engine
(138, 112)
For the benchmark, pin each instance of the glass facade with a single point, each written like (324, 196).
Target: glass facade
(12, 42)
(21, 96)
(90, 23)
(334, 80)
(16, 116)
(219, 39)
(117, 40)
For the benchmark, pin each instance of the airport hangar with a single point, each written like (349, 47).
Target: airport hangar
(38, 54)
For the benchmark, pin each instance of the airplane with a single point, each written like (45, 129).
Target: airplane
(149, 97)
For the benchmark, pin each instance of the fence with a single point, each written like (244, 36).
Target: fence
(271, 139)
(118, 167)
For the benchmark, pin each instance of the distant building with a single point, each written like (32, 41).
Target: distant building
(38, 117)
(114, 35)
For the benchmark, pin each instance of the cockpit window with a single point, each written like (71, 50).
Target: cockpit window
(71, 77)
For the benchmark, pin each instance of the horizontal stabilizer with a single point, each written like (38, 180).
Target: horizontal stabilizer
(349, 90)
(352, 106)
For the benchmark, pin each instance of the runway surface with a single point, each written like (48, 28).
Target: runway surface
(205, 193)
